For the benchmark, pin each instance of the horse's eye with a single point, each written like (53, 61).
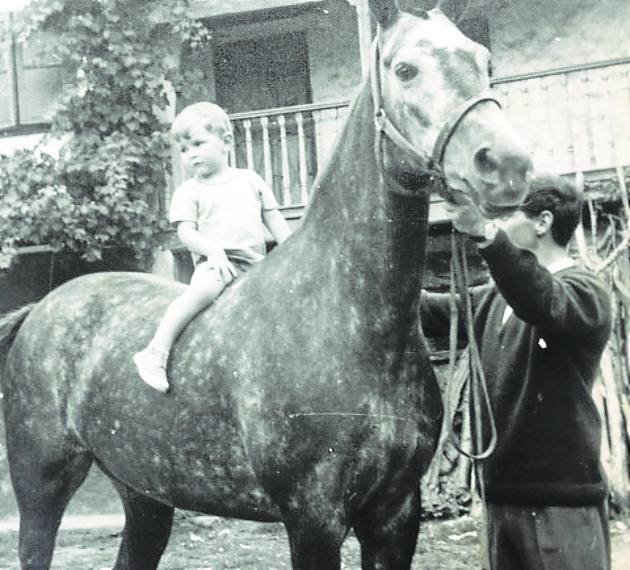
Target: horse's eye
(406, 72)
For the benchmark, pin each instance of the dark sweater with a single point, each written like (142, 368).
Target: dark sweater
(540, 367)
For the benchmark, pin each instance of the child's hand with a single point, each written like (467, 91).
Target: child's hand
(219, 261)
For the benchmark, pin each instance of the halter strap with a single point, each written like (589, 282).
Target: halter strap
(454, 119)
(433, 164)
(384, 126)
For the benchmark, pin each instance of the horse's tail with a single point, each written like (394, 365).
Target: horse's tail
(9, 326)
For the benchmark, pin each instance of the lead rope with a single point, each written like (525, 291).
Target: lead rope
(478, 387)
(459, 285)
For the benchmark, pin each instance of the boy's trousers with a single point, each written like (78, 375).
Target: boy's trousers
(546, 538)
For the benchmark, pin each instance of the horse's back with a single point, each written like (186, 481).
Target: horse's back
(71, 387)
(80, 329)
(78, 340)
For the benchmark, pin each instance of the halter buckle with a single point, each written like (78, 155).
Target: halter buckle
(379, 119)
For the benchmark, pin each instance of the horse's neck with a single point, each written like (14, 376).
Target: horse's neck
(377, 235)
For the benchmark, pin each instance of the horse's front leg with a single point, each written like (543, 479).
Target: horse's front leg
(314, 544)
(315, 521)
(146, 533)
(387, 530)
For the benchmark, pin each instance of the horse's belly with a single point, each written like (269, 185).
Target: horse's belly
(165, 447)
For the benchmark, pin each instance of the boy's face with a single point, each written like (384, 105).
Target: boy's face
(528, 231)
(204, 152)
(520, 228)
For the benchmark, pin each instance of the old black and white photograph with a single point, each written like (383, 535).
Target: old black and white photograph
(315, 284)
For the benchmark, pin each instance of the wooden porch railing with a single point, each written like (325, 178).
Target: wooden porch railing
(287, 145)
(573, 119)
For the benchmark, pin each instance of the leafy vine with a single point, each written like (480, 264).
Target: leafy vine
(104, 188)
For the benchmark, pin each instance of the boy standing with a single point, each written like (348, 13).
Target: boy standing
(541, 328)
(220, 214)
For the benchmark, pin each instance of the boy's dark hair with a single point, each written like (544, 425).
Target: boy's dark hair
(558, 196)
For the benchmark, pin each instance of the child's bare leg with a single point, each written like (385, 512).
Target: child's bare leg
(204, 288)
(181, 311)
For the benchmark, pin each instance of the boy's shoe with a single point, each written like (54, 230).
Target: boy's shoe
(151, 365)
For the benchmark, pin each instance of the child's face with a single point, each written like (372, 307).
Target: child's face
(203, 151)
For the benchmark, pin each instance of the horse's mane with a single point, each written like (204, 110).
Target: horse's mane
(351, 164)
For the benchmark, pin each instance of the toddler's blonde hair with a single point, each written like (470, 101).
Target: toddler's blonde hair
(210, 116)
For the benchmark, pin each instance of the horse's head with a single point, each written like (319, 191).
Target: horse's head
(430, 87)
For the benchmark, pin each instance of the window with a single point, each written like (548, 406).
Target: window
(30, 82)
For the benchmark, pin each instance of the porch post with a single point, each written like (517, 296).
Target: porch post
(365, 32)
(10, 64)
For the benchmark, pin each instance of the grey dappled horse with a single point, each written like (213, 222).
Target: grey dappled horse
(305, 393)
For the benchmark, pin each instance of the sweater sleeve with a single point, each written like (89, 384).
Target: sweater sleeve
(572, 301)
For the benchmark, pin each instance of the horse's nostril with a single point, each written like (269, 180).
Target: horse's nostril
(485, 162)
(522, 165)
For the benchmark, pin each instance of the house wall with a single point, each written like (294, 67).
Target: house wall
(334, 54)
(536, 35)
(333, 50)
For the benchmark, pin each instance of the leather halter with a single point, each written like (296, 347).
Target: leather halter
(433, 164)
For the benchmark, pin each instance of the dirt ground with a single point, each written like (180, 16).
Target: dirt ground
(209, 543)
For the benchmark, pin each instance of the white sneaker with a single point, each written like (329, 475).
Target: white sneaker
(151, 365)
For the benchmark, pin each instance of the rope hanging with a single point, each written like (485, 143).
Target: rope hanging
(459, 283)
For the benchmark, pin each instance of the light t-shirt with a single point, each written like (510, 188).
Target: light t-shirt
(228, 213)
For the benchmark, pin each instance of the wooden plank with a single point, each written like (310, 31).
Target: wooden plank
(598, 97)
(577, 113)
(284, 157)
(268, 169)
(302, 166)
(617, 460)
(558, 124)
(249, 146)
(10, 61)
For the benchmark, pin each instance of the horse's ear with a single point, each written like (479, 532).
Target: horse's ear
(417, 7)
(453, 9)
(385, 12)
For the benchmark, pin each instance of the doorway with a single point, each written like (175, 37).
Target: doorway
(263, 73)
(270, 73)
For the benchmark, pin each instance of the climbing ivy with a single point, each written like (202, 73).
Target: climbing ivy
(104, 188)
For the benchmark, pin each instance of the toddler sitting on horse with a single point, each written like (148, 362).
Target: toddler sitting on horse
(220, 214)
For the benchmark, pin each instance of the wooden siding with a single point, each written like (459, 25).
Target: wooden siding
(576, 119)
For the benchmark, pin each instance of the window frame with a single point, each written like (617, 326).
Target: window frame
(13, 73)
